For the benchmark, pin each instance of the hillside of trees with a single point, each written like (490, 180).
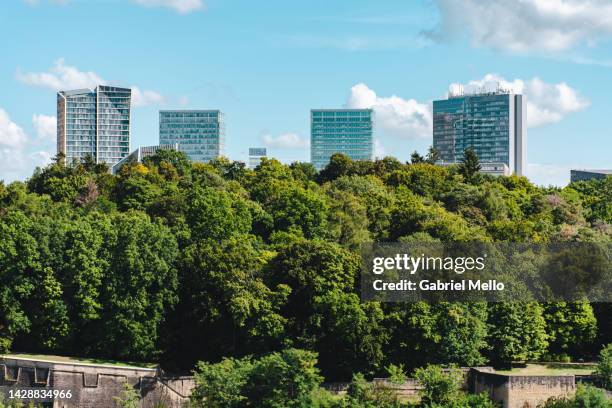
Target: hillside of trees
(181, 262)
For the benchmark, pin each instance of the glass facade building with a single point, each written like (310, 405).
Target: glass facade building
(255, 156)
(199, 133)
(94, 121)
(493, 124)
(347, 131)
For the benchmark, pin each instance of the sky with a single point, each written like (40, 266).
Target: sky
(266, 64)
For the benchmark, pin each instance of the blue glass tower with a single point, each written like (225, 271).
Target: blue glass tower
(347, 131)
(199, 133)
(493, 124)
(94, 122)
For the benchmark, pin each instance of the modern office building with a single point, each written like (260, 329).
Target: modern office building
(95, 122)
(199, 133)
(143, 151)
(255, 156)
(347, 131)
(491, 123)
(584, 174)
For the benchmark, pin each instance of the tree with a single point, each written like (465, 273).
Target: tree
(222, 292)
(439, 387)
(433, 155)
(216, 214)
(586, 397)
(339, 165)
(469, 165)
(178, 160)
(220, 385)
(604, 367)
(415, 158)
(463, 332)
(303, 171)
(348, 221)
(285, 379)
(297, 207)
(18, 258)
(517, 331)
(139, 288)
(365, 394)
(571, 327)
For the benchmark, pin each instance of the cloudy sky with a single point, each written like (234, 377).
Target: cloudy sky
(266, 64)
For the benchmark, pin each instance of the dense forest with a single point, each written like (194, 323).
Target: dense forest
(181, 262)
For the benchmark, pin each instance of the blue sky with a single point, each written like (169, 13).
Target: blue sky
(266, 64)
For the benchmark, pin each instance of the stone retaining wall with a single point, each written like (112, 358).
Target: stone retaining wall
(519, 391)
(93, 385)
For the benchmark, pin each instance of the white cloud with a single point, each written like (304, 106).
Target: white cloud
(180, 6)
(45, 126)
(143, 98)
(12, 135)
(397, 116)
(15, 161)
(286, 141)
(61, 77)
(66, 77)
(526, 25)
(546, 102)
(379, 150)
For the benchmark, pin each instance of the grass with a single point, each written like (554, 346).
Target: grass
(80, 360)
(550, 369)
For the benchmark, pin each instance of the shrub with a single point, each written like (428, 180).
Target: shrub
(604, 367)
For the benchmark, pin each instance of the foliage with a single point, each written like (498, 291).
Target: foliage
(469, 165)
(129, 397)
(571, 327)
(604, 367)
(442, 389)
(179, 262)
(364, 394)
(586, 397)
(285, 379)
(439, 387)
(517, 331)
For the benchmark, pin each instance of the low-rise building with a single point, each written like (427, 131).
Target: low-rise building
(584, 174)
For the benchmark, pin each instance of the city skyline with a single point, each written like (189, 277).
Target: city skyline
(267, 73)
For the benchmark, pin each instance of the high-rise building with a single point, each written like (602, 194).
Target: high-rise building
(137, 155)
(94, 122)
(255, 156)
(199, 133)
(588, 174)
(493, 124)
(347, 131)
